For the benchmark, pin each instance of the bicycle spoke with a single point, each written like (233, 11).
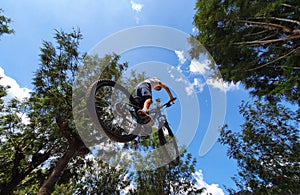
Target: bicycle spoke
(117, 123)
(169, 145)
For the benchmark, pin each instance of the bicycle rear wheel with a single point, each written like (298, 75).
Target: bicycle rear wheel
(109, 108)
(169, 144)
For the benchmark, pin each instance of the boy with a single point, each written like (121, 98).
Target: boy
(144, 90)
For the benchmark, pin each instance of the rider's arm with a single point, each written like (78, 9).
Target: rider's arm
(168, 91)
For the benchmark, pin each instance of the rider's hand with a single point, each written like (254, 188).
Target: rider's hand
(172, 99)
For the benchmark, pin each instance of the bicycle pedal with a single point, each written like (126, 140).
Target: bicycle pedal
(151, 122)
(144, 137)
(146, 120)
(142, 113)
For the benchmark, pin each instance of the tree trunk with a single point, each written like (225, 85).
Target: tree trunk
(49, 185)
(19, 174)
(8, 188)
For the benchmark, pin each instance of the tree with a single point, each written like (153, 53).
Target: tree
(51, 102)
(168, 179)
(100, 178)
(255, 42)
(4, 24)
(20, 152)
(53, 99)
(3, 93)
(47, 146)
(267, 149)
(148, 178)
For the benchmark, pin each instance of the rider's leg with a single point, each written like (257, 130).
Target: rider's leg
(144, 111)
(147, 104)
(144, 91)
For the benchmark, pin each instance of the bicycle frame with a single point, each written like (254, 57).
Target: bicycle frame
(163, 125)
(154, 112)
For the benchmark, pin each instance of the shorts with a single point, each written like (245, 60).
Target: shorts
(144, 91)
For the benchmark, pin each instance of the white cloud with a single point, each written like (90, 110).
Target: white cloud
(231, 86)
(189, 89)
(204, 69)
(198, 86)
(210, 188)
(136, 6)
(198, 67)
(223, 86)
(195, 30)
(127, 189)
(195, 87)
(180, 56)
(15, 90)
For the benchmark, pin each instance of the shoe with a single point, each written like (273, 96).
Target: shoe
(143, 113)
(151, 122)
(145, 117)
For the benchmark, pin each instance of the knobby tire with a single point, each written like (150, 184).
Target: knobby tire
(99, 122)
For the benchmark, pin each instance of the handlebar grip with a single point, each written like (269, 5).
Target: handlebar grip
(168, 104)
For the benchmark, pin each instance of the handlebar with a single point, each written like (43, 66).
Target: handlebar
(157, 109)
(169, 103)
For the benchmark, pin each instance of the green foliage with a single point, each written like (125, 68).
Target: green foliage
(98, 177)
(51, 100)
(3, 93)
(92, 177)
(53, 81)
(55, 85)
(4, 24)
(256, 42)
(93, 68)
(168, 179)
(267, 149)
(21, 149)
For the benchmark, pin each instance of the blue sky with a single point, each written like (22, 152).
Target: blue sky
(34, 21)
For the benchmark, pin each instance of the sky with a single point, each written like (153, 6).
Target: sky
(35, 21)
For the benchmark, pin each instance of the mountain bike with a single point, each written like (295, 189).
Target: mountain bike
(113, 110)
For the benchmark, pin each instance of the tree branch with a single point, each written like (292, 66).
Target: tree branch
(290, 6)
(269, 41)
(267, 25)
(37, 159)
(287, 5)
(257, 33)
(281, 57)
(268, 37)
(286, 20)
(279, 19)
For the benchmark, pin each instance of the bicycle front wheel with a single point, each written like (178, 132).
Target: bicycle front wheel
(109, 108)
(169, 144)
